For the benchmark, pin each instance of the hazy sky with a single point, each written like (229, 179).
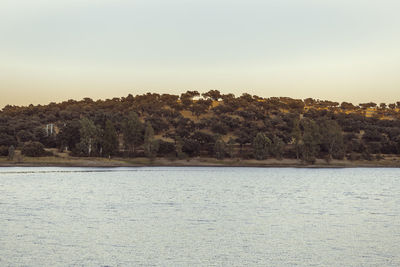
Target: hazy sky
(343, 50)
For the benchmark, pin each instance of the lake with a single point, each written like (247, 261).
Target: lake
(205, 216)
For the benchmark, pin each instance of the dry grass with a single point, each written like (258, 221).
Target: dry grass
(392, 161)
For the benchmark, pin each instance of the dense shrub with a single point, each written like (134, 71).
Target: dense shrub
(7, 140)
(3, 151)
(166, 148)
(34, 149)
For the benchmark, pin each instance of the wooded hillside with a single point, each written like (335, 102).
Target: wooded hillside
(209, 125)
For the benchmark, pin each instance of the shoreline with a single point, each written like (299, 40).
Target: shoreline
(193, 162)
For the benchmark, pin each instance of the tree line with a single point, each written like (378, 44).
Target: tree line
(203, 125)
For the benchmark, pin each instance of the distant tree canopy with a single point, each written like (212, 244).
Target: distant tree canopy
(210, 124)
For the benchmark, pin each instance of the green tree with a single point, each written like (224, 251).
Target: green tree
(132, 132)
(11, 152)
(150, 144)
(331, 139)
(89, 137)
(277, 147)
(6, 139)
(187, 98)
(4, 151)
(296, 137)
(110, 139)
(366, 153)
(230, 149)
(261, 146)
(178, 147)
(213, 95)
(25, 136)
(200, 107)
(220, 148)
(69, 135)
(310, 141)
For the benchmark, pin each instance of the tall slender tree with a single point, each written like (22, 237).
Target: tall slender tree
(311, 140)
(89, 134)
(110, 139)
(261, 146)
(277, 147)
(297, 137)
(132, 130)
(331, 139)
(150, 144)
(230, 148)
(11, 152)
(220, 148)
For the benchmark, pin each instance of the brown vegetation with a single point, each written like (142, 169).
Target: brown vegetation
(212, 125)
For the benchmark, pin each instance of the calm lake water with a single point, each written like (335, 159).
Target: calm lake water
(199, 217)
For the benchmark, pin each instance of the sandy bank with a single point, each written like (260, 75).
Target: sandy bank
(139, 162)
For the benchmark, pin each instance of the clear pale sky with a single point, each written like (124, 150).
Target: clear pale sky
(342, 50)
